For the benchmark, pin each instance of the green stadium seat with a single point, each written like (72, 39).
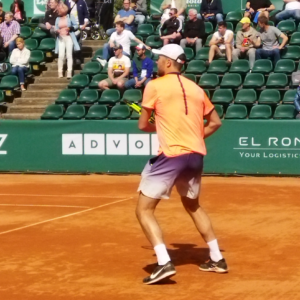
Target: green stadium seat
(289, 97)
(190, 76)
(145, 30)
(291, 52)
(207, 93)
(133, 95)
(285, 112)
(110, 97)
(98, 54)
(234, 16)
(31, 44)
(39, 34)
(47, 45)
(208, 40)
(104, 69)
(286, 66)
(66, 97)
(236, 111)
(9, 82)
(209, 81)
(151, 42)
(157, 29)
(245, 96)
(254, 81)
(74, 112)
(231, 81)
(277, 80)
(260, 112)
(196, 67)
(91, 68)
(34, 21)
(88, 97)
(133, 43)
(25, 32)
(119, 112)
(202, 54)
(96, 79)
(79, 81)
(7, 72)
(2, 97)
(134, 115)
(220, 111)
(262, 66)
(218, 67)
(155, 22)
(97, 112)
(222, 96)
(208, 28)
(240, 66)
(269, 97)
(295, 39)
(287, 26)
(189, 53)
(53, 112)
(37, 58)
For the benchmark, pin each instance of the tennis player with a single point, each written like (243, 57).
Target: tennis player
(180, 106)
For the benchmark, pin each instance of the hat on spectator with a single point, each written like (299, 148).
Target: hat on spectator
(117, 46)
(245, 20)
(172, 51)
(140, 47)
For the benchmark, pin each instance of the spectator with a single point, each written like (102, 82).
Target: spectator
(125, 15)
(20, 61)
(297, 102)
(2, 13)
(291, 10)
(2, 51)
(10, 29)
(194, 31)
(118, 70)
(173, 27)
(246, 42)
(211, 10)
(17, 8)
(255, 8)
(121, 36)
(269, 38)
(142, 69)
(50, 17)
(140, 8)
(221, 43)
(65, 26)
(79, 10)
(166, 6)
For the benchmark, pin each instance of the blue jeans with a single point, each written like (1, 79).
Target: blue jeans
(273, 54)
(217, 17)
(110, 31)
(286, 14)
(20, 71)
(108, 52)
(297, 100)
(130, 84)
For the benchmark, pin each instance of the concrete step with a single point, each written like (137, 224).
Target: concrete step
(36, 94)
(24, 109)
(52, 80)
(34, 101)
(99, 43)
(54, 66)
(38, 87)
(17, 116)
(54, 74)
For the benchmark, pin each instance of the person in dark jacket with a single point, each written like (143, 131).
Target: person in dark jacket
(194, 31)
(211, 10)
(2, 51)
(50, 17)
(79, 9)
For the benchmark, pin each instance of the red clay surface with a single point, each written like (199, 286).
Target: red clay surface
(102, 253)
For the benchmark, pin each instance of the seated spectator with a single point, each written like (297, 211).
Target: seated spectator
(194, 31)
(221, 43)
(291, 10)
(20, 61)
(50, 17)
(140, 8)
(125, 15)
(10, 29)
(121, 36)
(2, 51)
(65, 26)
(269, 36)
(256, 8)
(173, 27)
(167, 5)
(118, 70)
(17, 8)
(2, 13)
(211, 10)
(246, 42)
(142, 69)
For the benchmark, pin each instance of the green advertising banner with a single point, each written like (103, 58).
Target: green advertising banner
(238, 147)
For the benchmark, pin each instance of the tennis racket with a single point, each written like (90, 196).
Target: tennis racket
(138, 109)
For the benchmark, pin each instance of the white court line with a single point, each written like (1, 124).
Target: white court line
(65, 216)
(46, 205)
(65, 196)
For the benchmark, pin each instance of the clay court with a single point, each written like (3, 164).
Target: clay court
(76, 237)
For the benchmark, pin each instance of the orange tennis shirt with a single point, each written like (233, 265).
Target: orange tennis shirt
(179, 123)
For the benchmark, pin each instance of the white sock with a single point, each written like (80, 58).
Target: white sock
(214, 253)
(162, 254)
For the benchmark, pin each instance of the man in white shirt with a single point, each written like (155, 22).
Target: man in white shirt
(222, 43)
(118, 70)
(292, 10)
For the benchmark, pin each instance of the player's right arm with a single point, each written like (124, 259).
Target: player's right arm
(144, 124)
(213, 123)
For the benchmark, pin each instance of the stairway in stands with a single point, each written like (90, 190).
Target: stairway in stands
(45, 88)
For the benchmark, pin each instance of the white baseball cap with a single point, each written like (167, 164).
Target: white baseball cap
(172, 51)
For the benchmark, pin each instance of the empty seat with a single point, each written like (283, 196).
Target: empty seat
(190, 76)
(220, 111)
(110, 97)
(53, 112)
(133, 43)
(145, 30)
(277, 80)
(253, 80)
(39, 34)
(236, 111)
(119, 112)
(104, 69)
(222, 96)
(286, 66)
(74, 112)
(202, 54)
(295, 39)
(9, 82)
(285, 112)
(218, 67)
(231, 81)
(91, 68)
(207, 93)
(209, 81)
(234, 16)
(66, 97)
(47, 45)
(196, 67)
(37, 58)
(260, 112)
(263, 66)
(98, 54)
(208, 40)
(289, 97)
(79, 81)
(133, 95)
(287, 26)
(25, 32)
(97, 112)
(269, 97)
(96, 79)
(31, 44)
(7, 72)
(245, 96)
(291, 52)
(240, 66)
(88, 97)
(189, 53)
(208, 28)
(153, 42)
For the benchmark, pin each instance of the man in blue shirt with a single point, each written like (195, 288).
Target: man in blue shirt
(142, 69)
